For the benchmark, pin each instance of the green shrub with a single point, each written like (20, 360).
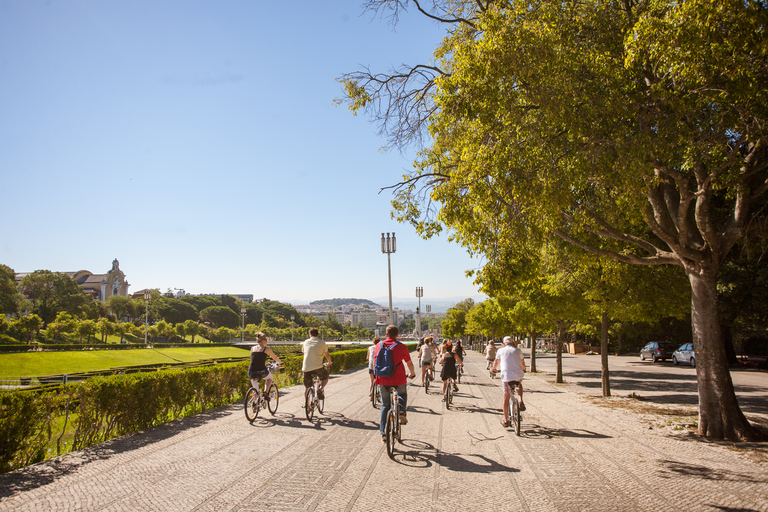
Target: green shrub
(34, 422)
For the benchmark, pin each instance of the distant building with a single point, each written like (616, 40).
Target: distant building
(367, 319)
(100, 286)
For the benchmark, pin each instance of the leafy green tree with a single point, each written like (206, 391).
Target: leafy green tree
(192, 328)
(174, 310)
(105, 328)
(28, 325)
(85, 328)
(64, 324)
(455, 323)
(122, 328)
(220, 316)
(121, 306)
(200, 302)
(165, 329)
(10, 298)
(490, 318)
(637, 124)
(181, 330)
(52, 292)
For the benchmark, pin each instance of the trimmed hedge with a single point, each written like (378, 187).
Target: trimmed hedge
(21, 347)
(35, 423)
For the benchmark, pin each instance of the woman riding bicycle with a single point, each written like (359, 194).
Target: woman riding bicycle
(449, 360)
(257, 370)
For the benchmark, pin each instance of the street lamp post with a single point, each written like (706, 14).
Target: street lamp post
(388, 246)
(419, 294)
(242, 331)
(147, 296)
(429, 318)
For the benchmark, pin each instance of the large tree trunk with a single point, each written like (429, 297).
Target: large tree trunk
(604, 354)
(559, 351)
(532, 334)
(719, 414)
(726, 330)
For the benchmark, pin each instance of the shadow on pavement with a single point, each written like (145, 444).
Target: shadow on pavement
(674, 468)
(420, 454)
(678, 388)
(539, 432)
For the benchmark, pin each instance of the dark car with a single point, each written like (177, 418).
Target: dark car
(657, 350)
(684, 354)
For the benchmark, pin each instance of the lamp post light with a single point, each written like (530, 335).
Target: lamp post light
(419, 294)
(147, 296)
(242, 331)
(292, 317)
(388, 246)
(429, 318)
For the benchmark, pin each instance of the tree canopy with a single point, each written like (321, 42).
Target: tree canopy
(633, 130)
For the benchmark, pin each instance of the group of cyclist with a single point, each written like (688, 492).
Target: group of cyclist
(508, 360)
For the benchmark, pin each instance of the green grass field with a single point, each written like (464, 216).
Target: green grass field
(34, 364)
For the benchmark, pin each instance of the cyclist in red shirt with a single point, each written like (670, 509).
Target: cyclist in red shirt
(398, 380)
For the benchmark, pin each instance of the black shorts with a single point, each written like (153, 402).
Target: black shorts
(261, 374)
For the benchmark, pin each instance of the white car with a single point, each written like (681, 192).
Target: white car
(684, 354)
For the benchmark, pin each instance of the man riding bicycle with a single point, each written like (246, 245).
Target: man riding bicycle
(314, 349)
(509, 359)
(398, 380)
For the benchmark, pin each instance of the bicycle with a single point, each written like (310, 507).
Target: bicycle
(393, 430)
(448, 396)
(311, 399)
(428, 377)
(459, 371)
(375, 395)
(490, 370)
(515, 414)
(255, 400)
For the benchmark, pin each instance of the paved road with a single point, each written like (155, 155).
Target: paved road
(573, 455)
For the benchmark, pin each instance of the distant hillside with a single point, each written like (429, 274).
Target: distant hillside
(335, 303)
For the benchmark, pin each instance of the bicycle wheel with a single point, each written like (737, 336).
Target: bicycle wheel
(320, 405)
(375, 395)
(309, 403)
(426, 383)
(273, 398)
(516, 415)
(458, 376)
(389, 435)
(251, 404)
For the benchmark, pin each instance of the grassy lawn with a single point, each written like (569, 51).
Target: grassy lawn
(35, 364)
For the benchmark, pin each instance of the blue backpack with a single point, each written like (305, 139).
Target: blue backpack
(385, 361)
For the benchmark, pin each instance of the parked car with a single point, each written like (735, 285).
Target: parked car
(657, 350)
(684, 354)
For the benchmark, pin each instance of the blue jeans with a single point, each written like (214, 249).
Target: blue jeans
(386, 404)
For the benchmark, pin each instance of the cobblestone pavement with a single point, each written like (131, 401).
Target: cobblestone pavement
(572, 455)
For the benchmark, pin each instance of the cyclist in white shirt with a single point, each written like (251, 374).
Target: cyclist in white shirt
(510, 361)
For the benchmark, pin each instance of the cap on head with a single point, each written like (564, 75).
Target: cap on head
(508, 340)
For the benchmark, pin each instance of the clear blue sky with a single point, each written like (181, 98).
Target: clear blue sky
(197, 142)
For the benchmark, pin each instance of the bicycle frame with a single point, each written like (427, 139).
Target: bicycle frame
(393, 429)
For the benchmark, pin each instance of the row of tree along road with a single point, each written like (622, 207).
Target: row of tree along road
(599, 156)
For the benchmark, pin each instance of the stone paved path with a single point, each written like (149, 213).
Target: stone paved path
(572, 456)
